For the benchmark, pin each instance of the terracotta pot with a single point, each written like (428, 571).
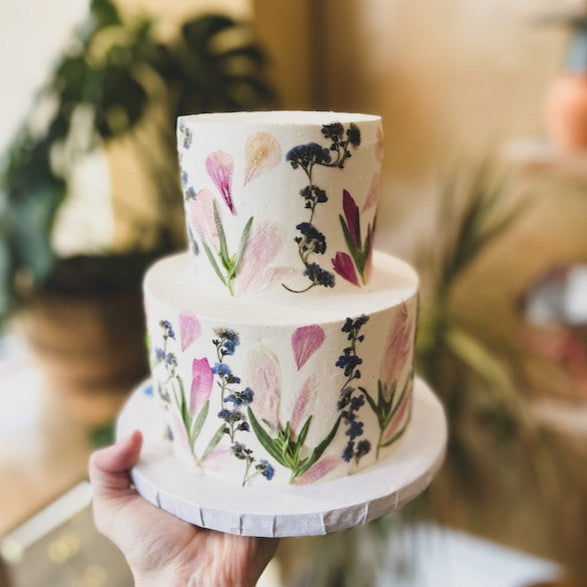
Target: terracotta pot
(90, 348)
(566, 112)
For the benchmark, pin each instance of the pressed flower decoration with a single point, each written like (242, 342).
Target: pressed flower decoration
(356, 266)
(206, 221)
(311, 241)
(220, 167)
(193, 411)
(351, 398)
(247, 266)
(287, 444)
(262, 153)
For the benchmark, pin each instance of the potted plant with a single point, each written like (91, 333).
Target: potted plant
(127, 85)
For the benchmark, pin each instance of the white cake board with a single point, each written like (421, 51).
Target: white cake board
(277, 511)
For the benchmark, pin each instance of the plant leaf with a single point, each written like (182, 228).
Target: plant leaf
(214, 441)
(198, 422)
(224, 255)
(318, 451)
(210, 256)
(304, 432)
(266, 441)
(244, 241)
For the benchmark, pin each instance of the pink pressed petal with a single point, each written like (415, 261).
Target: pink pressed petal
(299, 412)
(398, 346)
(305, 341)
(262, 153)
(190, 329)
(200, 215)
(202, 382)
(344, 266)
(319, 470)
(265, 242)
(263, 375)
(220, 168)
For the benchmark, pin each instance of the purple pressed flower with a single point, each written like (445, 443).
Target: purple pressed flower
(167, 328)
(221, 369)
(353, 221)
(347, 453)
(344, 266)
(220, 168)
(189, 329)
(240, 398)
(305, 341)
(202, 382)
(363, 447)
(265, 468)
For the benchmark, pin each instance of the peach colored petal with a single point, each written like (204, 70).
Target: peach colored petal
(262, 153)
(374, 191)
(379, 144)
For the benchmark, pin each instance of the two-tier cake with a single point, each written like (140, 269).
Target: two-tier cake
(281, 343)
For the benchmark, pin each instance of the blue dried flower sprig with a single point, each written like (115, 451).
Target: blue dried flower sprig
(349, 403)
(306, 157)
(234, 419)
(171, 388)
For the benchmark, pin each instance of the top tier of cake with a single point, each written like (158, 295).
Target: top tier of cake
(281, 201)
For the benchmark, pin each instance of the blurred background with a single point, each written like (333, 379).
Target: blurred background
(483, 190)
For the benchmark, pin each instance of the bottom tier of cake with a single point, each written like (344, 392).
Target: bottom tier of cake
(259, 390)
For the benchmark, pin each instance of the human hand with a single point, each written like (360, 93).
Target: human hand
(163, 550)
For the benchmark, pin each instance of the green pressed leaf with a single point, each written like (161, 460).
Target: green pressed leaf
(214, 441)
(319, 450)
(266, 441)
(199, 422)
(244, 241)
(224, 255)
(304, 431)
(399, 402)
(349, 241)
(370, 400)
(399, 433)
(210, 256)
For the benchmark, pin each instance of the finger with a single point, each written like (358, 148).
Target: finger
(109, 467)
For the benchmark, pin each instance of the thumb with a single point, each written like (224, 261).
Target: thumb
(109, 468)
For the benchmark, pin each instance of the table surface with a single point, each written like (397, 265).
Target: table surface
(44, 448)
